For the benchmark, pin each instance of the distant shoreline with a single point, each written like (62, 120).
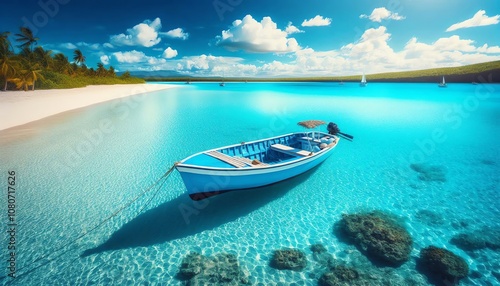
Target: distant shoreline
(491, 76)
(488, 72)
(21, 107)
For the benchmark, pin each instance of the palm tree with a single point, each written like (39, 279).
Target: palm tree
(78, 57)
(112, 72)
(84, 69)
(28, 76)
(22, 82)
(26, 38)
(5, 45)
(62, 65)
(126, 75)
(7, 69)
(74, 67)
(90, 72)
(34, 74)
(27, 54)
(101, 70)
(43, 57)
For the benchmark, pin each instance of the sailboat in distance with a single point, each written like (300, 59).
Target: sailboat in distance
(222, 83)
(442, 83)
(363, 81)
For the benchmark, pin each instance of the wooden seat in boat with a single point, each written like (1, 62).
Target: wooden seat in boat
(290, 150)
(228, 159)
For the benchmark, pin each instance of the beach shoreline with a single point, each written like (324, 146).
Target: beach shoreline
(21, 107)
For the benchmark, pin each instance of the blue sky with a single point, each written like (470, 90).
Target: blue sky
(264, 38)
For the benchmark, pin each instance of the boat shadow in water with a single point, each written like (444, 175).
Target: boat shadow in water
(182, 217)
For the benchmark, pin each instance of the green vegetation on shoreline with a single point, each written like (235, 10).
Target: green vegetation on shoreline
(36, 68)
(488, 72)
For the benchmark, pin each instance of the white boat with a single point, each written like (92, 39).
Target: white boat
(222, 83)
(443, 83)
(257, 163)
(363, 81)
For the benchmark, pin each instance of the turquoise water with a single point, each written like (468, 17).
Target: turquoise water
(74, 171)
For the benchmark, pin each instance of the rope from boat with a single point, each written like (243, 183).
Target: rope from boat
(163, 177)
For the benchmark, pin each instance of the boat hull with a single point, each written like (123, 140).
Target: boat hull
(205, 181)
(202, 182)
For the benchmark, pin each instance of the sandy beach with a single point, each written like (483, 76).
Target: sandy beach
(20, 107)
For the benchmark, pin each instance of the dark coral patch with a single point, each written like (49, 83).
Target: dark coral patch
(430, 173)
(378, 235)
(442, 266)
(221, 269)
(341, 275)
(289, 259)
(430, 217)
(476, 240)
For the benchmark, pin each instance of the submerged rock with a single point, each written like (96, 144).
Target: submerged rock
(442, 266)
(429, 217)
(318, 248)
(341, 275)
(289, 259)
(321, 255)
(192, 265)
(488, 162)
(378, 235)
(480, 239)
(222, 269)
(429, 173)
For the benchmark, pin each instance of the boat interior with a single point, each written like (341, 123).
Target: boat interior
(265, 152)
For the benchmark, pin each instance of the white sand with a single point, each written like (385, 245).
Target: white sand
(21, 107)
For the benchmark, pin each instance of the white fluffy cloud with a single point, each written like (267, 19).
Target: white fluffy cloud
(317, 21)
(130, 57)
(257, 37)
(144, 34)
(204, 62)
(372, 48)
(95, 46)
(169, 53)
(372, 54)
(291, 29)
(278, 68)
(105, 59)
(489, 50)
(202, 65)
(68, 46)
(453, 44)
(451, 51)
(381, 13)
(479, 19)
(177, 33)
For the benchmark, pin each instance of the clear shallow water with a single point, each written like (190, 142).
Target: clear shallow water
(72, 174)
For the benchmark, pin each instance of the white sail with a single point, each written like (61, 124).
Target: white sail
(443, 83)
(363, 80)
